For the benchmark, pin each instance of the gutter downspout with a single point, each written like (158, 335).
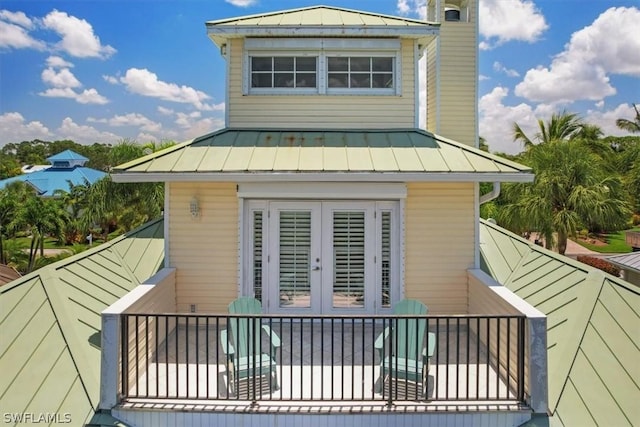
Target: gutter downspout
(492, 195)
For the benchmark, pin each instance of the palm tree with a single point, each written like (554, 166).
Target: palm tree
(41, 217)
(561, 126)
(632, 126)
(11, 197)
(571, 191)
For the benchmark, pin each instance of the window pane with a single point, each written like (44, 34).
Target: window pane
(260, 64)
(338, 64)
(283, 80)
(261, 80)
(305, 64)
(382, 64)
(360, 64)
(383, 80)
(306, 80)
(283, 63)
(338, 80)
(360, 80)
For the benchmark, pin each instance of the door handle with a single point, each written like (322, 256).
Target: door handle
(315, 268)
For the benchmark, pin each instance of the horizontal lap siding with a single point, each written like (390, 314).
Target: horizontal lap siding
(204, 250)
(321, 111)
(439, 244)
(458, 82)
(483, 301)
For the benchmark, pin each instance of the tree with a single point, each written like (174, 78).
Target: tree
(632, 126)
(562, 126)
(11, 197)
(41, 217)
(570, 191)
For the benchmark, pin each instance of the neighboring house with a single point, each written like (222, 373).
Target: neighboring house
(67, 168)
(629, 264)
(593, 329)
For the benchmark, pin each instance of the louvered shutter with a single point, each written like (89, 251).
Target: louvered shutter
(295, 254)
(348, 256)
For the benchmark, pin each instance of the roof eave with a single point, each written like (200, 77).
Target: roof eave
(297, 176)
(220, 34)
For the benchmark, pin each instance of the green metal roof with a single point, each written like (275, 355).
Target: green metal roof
(593, 337)
(384, 155)
(319, 21)
(50, 323)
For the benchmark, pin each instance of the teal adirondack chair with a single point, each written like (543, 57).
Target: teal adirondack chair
(245, 358)
(407, 356)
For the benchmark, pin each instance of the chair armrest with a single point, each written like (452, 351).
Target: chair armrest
(227, 348)
(275, 339)
(430, 349)
(379, 343)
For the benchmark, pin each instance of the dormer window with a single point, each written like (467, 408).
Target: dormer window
(322, 67)
(357, 72)
(293, 72)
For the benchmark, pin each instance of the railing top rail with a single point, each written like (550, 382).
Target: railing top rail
(331, 317)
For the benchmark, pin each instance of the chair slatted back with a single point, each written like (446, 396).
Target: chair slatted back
(410, 333)
(246, 333)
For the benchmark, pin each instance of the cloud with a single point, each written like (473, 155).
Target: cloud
(496, 121)
(87, 96)
(602, 48)
(131, 119)
(242, 3)
(607, 119)
(144, 82)
(57, 62)
(482, 77)
(502, 21)
(61, 79)
(17, 18)
(14, 128)
(412, 7)
(111, 79)
(194, 125)
(14, 33)
(165, 111)
(498, 67)
(83, 134)
(77, 36)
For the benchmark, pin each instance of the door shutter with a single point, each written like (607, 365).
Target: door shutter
(348, 258)
(295, 254)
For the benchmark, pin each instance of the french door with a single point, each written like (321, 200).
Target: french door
(322, 257)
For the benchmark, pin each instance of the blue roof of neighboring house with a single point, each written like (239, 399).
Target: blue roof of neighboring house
(47, 181)
(67, 155)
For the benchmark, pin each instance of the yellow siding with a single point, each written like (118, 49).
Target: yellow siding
(321, 111)
(482, 300)
(432, 96)
(204, 250)
(439, 244)
(457, 105)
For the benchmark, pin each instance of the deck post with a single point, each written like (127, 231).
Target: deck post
(110, 358)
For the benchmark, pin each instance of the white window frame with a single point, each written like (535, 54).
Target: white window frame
(322, 49)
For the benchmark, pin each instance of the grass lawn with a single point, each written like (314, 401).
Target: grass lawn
(615, 243)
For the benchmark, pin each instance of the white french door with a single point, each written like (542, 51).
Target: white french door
(323, 257)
